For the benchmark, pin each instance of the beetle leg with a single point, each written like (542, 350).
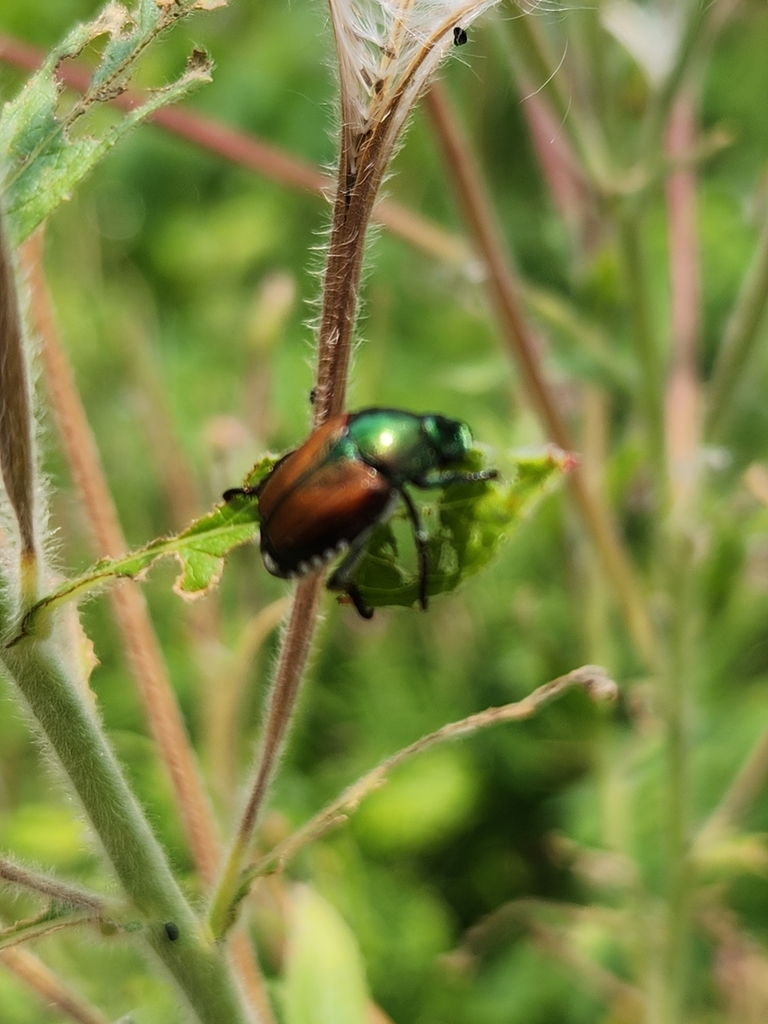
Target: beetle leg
(357, 600)
(234, 492)
(421, 547)
(340, 577)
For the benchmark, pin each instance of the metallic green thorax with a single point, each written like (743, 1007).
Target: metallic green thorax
(404, 446)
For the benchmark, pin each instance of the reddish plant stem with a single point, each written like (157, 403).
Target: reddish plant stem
(53, 992)
(522, 345)
(351, 214)
(683, 399)
(281, 702)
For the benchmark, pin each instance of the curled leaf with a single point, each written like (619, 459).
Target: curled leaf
(466, 523)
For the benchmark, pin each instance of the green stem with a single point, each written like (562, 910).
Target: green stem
(692, 42)
(676, 702)
(741, 336)
(59, 708)
(646, 342)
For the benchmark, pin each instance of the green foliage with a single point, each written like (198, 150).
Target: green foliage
(156, 265)
(325, 975)
(43, 153)
(465, 526)
(200, 550)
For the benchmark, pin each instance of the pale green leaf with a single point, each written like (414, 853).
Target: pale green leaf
(200, 550)
(325, 978)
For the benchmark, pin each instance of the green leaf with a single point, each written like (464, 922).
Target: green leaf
(325, 979)
(465, 523)
(42, 156)
(200, 549)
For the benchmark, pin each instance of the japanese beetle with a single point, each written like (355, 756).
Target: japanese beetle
(326, 497)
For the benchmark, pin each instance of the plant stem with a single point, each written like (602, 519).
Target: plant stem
(87, 761)
(591, 678)
(523, 348)
(676, 698)
(143, 651)
(683, 393)
(281, 702)
(741, 336)
(646, 341)
(700, 17)
(48, 987)
(55, 889)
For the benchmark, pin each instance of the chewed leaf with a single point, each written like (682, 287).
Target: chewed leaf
(200, 549)
(465, 524)
(42, 158)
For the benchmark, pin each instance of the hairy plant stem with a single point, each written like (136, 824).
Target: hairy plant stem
(280, 705)
(355, 196)
(362, 164)
(60, 710)
(53, 888)
(143, 651)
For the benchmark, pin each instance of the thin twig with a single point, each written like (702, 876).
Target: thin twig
(522, 345)
(590, 678)
(740, 338)
(49, 988)
(683, 398)
(647, 346)
(44, 885)
(43, 925)
(367, 141)
(280, 705)
(228, 685)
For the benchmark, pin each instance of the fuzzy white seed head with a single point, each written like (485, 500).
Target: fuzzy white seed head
(387, 51)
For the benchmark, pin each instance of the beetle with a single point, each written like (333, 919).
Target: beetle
(459, 36)
(326, 497)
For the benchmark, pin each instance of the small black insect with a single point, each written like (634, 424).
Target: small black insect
(172, 931)
(312, 396)
(459, 36)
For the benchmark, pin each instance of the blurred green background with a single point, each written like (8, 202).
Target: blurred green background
(185, 288)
